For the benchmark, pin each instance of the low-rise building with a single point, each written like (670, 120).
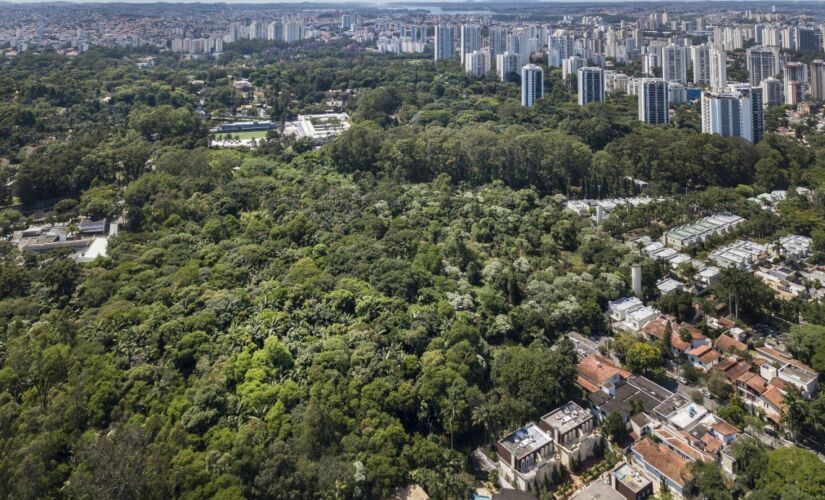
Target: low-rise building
(699, 231)
(794, 372)
(572, 429)
(596, 373)
(741, 254)
(661, 464)
(703, 357)
(526, 458)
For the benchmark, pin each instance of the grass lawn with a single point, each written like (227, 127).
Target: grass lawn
(254, 134)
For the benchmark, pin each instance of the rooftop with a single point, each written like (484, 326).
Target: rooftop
(525, 441)
(630, 477)
(567, 417)
(662, 459)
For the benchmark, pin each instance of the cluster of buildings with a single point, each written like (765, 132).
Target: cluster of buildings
(683, 58)
(87, 241)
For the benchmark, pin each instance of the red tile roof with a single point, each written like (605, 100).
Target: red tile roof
(597, 370)
(729, 344)
(664, 460)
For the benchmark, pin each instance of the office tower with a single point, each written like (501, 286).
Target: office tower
(818, 79)
(507, 65)
(571, 66)
(444, 42)
(477, 63)
(591, 85)
(498, 42)
(763, 62)
(532, 84)
(772, 91)
(653, 101)
(346, 22)
(470, 40)
(728, 114)
(700, 56)
(293, 30)
(718, 66)
(674, 63)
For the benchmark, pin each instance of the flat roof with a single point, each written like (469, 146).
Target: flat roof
(526, 440)
(630, 477)
(567, 417)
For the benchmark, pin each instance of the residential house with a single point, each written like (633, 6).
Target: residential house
(571, 428)
(661, 464)
(526, 458)
(805, 378)
(703, 357)
(597, 373)
(727, 345)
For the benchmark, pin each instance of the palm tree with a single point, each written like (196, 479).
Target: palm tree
(481, 415)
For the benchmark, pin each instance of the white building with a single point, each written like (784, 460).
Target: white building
(532, 84)
(470, 40)
(728, 114)
(507, 65)
(674, 63)
(718, 68)
(444, 42)
(477, 63)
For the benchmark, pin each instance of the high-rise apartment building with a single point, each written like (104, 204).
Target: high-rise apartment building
(763, 62)
(653, 101)
(772, 91)
(818, 79)
(477, 63)
(507, 66)
(727, 114)
(444, 42)
(700, 58)
(718, 68)
(532, 84)
(674, 63)
(470, 40)
(591, 85)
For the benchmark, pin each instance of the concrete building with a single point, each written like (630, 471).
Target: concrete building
(700, 58)
(497, 42)
(507, 65)
(477, 63)
(526, 458)
(772, 91)
(763, 62)
(717, 68)
(444, 48)
(591, 85)
(572, 429)
(697, 232)
(726, 114)
(470, 40)
(654, 101)
(532, 84)
(818, 80)
(674, 63)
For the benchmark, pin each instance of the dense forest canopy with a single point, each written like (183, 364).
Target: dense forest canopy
(294, 321)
